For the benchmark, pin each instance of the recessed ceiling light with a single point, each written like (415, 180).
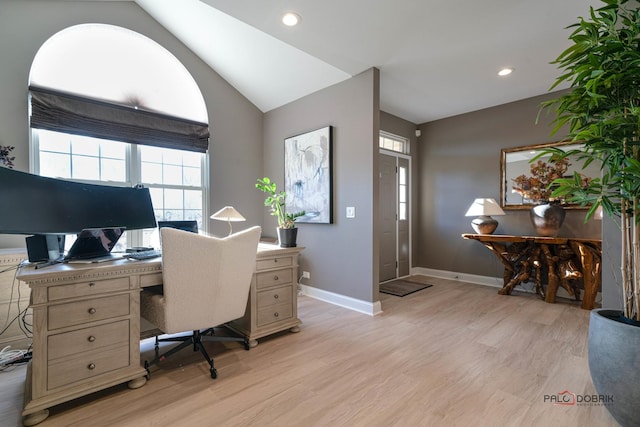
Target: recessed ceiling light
(290, 19)
(505, 72)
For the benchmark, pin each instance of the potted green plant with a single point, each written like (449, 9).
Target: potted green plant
(275, 200)
(602, 111)
(5, 156)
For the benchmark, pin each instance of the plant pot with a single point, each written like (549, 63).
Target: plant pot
(547, 219)
(614, 362)
(287, 237)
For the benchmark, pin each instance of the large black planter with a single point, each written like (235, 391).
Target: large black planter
(614, 362)
(287, 237)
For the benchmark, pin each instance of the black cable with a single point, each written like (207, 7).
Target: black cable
(17, 316)
(25, 326)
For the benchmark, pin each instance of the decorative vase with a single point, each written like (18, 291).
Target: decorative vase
(614, 363)
(287, 237)
(547, 219)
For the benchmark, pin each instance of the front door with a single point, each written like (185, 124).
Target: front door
(394, 217)
(388, 232)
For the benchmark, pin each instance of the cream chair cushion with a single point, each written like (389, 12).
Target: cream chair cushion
(206, 280)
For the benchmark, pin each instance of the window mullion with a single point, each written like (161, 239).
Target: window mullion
(133, 164)
(133, 177)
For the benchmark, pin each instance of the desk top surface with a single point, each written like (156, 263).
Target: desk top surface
(30, 273)
(537, 239)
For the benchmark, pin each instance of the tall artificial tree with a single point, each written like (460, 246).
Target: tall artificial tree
(602, 112)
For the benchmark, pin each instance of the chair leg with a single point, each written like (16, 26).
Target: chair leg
(186, 341)
(244, 340)
(212, 369)
(197, 340)
(176, 349)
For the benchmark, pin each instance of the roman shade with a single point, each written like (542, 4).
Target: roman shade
(69, 113)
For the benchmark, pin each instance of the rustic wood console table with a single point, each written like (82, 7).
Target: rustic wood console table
(565, 260)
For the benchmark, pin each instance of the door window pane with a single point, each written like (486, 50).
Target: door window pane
(402, 193)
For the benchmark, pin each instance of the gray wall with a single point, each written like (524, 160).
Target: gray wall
(342, 257)
(611, 261)
(407, 129)
(235, 124)
(459, 161)
(454, 161)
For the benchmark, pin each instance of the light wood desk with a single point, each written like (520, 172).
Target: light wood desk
(86, 318)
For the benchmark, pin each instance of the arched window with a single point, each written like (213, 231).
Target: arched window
(109, 105)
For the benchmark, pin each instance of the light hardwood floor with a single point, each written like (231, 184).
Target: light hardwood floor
(454, 354)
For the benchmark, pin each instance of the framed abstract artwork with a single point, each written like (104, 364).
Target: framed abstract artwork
(308, 175)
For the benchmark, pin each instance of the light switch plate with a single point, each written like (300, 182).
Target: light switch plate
(351, 212)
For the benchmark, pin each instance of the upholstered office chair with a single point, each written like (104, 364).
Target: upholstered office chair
(206, 283)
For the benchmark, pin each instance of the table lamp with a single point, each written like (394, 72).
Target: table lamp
(229, 214)
(483, 209)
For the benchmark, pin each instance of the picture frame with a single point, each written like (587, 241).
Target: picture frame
(308, 175)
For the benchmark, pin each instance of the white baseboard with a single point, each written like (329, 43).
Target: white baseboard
(495, 282)
(370, 308)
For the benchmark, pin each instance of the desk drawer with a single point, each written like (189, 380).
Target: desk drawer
(89, 339)
(152, 279)
(83, 289)
(271, 278)
(275, 296)
(86, 365)
(80, 312)
(266, 264)
(274, 314)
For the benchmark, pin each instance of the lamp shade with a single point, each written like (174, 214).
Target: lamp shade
(482, 207)
(228, 213)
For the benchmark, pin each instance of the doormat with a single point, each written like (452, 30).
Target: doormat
(401, 288)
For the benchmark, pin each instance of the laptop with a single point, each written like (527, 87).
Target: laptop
(187, 225)
(184, 225)
(94, 245)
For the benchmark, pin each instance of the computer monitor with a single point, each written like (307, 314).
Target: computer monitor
(191, 226)
(33, 204)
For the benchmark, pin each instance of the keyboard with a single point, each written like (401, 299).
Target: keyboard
(154, 253)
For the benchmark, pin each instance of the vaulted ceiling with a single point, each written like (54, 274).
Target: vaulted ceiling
(437, 58)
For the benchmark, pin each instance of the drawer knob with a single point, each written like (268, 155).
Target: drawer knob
(92, 310)
(91, 284)
(276, 296)
(275, 260)
(91, 366)
(275, 277)
(91, 338)
(276, 314)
